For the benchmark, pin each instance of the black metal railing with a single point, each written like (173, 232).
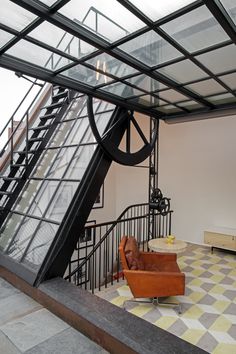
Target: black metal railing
(95, 262)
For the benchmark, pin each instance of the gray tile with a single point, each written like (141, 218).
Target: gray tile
(178, 328)
(7, 289)
(6, 346)
(226, 270)
(207, 286)
(232, 331)
(230, 294)
(207, 300)
(206, 274)
(152, 316)
(207, 319)
(15, 306)
(207, 342)
(227, 281)
(33, 329)
(109, 295)
(69, 341)
(188, 269)
(230, 310)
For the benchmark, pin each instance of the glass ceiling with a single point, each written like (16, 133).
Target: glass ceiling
(162, 58)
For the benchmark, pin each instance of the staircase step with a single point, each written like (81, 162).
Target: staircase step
(48, 116)
(53, 105)
(5, 193)
(25, 152)
(11, 178)
(34, 140)
(18, 165)
(60, 95)
(41, 127)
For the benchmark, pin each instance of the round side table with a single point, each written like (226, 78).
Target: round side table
(160, 245)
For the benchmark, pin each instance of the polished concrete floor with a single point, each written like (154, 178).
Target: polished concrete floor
(27, 327)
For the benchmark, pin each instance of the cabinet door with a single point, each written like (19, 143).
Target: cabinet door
(220, 240)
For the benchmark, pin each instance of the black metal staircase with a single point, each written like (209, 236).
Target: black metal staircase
(37, 136)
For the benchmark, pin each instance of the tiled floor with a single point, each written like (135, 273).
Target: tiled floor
(208, 318)
(27, 327)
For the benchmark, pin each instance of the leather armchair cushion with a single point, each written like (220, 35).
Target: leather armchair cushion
(132, 255)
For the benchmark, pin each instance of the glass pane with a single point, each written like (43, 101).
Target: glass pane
(146, 83)
(148, 100)
(183, 71)
(27, 196)
(86, 75)
(61, 201)
(4, 37)
(80, 162)
(172, 96)
(15, 16)
(150, 49)
(107, 63)
(196, 30)
(61, 163)
(169, 109)
(156, 10)
(230, 6)
(9, 229)
(111, 21)
(23, 238)
(222, 99)
(64, 41)
(37, 55)
(220, 60)
(229, 80)
(206, 88)
(190, 105)
(48, 2)
(44, 197)
(122, 90)
(40, 245)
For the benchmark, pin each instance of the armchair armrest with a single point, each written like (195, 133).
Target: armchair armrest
(156, 257)
(155, 284)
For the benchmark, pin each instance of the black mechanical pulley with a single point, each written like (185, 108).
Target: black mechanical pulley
(156, 196)
(126, 119)
(164, 206)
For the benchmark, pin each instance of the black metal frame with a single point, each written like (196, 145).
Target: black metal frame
(81, 32)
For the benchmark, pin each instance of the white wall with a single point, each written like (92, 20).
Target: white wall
(198, 171)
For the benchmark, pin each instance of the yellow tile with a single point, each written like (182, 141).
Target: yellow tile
(221, 305)
(196, 282)
(119, 300)
(193, 335)
(217, 278)
(222, 324)
(217, 289)
(165, 321)
(232, 273)
(141, 310)
(196, 296)
(193, 312)
(214, 268)
(197, 272)
(222, 348)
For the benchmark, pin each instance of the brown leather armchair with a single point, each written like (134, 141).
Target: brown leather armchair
(150, 274)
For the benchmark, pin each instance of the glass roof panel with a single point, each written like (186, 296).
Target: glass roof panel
(111, 21)
(220, 60)
(87, 76)
(122, 90)
(148, 100)
(64, 41)
(229, 80)
(48, 2)
(230, 7)
(172, 96)
(111, 65)
(156, 10)
(206, 87)
(37, 55)
(4, 37)
(190, 105)
(169, 109)
(183, 71)
(222, 99)
(150, 49)
(15, 16)
(196, 30)
(146, 83)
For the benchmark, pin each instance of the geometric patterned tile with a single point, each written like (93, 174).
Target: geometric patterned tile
(178, 328)
(207, 342)
(207, 319)
(221, 324)
(232, 331)
(227, 280)
(231, 309)
(222, 348)
(208, 286)
(207, 300)
(230, 294)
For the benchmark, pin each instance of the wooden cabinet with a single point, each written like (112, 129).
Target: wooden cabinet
(221, 237)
